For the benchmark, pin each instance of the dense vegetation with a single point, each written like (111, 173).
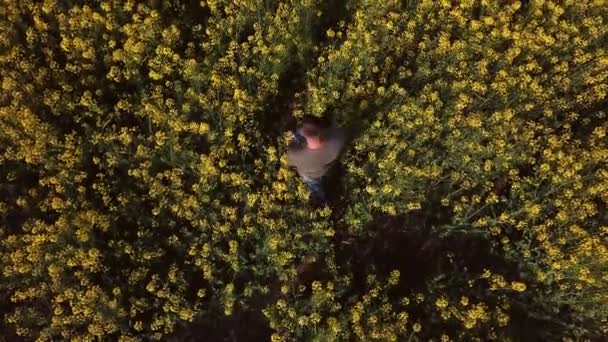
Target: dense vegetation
(144, 191)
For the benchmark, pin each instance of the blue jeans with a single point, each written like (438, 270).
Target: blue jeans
(316, 187)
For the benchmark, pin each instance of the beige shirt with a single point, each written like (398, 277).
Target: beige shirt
(315, 163)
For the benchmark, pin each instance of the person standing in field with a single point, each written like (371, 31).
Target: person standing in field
(313, 152)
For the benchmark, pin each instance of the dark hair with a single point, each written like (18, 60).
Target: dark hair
(311, 130)
(316, 121)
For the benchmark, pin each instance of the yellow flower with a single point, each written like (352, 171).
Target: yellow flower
(518, 286)
(441, 302)
(394, 277)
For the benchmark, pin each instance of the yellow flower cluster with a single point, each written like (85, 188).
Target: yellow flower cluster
(371, 316)
(144, 185)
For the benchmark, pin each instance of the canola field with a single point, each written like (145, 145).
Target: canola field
(145, 194)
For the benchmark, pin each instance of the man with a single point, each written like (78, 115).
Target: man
(315, 149)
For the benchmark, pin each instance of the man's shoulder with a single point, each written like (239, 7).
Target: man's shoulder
(293, 150)
(296, 153)
(294, 146)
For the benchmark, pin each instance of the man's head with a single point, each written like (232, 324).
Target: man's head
(313, 136)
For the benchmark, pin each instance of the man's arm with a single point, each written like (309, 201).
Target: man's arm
(290, 158)
(295, 149)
